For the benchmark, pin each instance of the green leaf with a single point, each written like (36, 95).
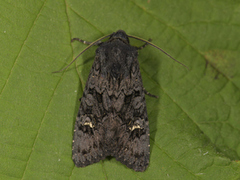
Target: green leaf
(194, 124)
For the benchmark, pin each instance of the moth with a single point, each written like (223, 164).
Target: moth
(112, 119)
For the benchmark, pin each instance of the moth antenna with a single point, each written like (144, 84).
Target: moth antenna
(90, 45)
(140, 39)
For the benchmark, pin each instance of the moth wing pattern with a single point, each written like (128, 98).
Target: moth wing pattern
(112, 118)
(88, 135)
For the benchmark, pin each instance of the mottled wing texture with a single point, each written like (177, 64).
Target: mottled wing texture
(112, 118)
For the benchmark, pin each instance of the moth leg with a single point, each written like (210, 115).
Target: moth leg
(143, 46)
(149, 94)
(86, 42)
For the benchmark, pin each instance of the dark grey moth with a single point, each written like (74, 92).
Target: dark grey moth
(112, 119)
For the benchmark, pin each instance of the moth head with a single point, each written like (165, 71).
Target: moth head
(121, 35)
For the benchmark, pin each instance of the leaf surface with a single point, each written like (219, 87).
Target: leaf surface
(194, 124)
